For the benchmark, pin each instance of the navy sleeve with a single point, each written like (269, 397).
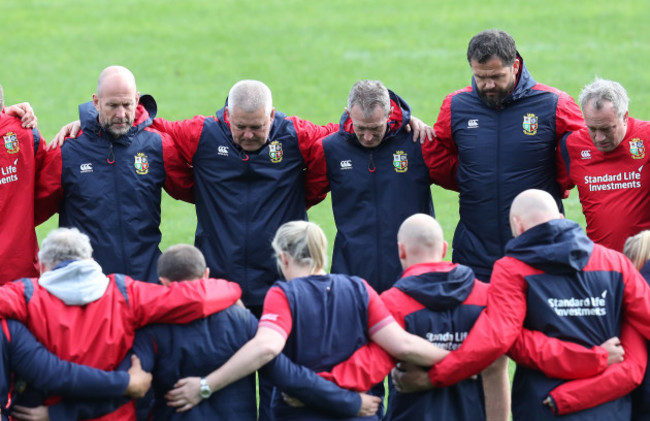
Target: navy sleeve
(43, 370)
(76, 409)
(304, 384)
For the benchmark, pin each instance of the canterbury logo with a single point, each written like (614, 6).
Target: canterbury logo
(86, 167)
(585, 154)
(346, 165)
(472, 124)
(222, 150)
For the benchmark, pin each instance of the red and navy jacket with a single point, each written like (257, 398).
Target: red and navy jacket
(641, 396)
(25, 359)
(171, 352)
(374, 190)
(554, 280)
(100, 333)
(349, 311)
(614, 187)
(21, 160)
(501, 152)
(439, 302)
(110, 189)
(242, 198)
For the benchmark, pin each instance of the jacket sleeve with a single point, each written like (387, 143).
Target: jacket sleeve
(563, 163)
(48, 188)
(302, 383)
(568, 117)
(615, 382)
(495, 330)
(181, 302)
(636, 298)
(45, 371)
(556, 358)
(368, 366)
(441, 155)
(184, 134)
(179, 174)
(13, 304)
(310, 142)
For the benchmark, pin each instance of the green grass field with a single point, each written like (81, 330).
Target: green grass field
(189, 53)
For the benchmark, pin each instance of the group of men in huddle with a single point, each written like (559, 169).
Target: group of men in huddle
(510, 146)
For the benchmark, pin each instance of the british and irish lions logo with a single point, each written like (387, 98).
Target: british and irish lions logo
(275, 152)
(530, 124)
(400, 161)
(141, 163)
(11, 142)
(637, 150)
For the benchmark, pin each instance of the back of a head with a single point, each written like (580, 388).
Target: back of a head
(492, 43)
(637, 248)
(600, 92)
(64, 244)
(304, 242)
(249, 96)
(422, 237)
(181, 262)
(533, 207)
(368, 95)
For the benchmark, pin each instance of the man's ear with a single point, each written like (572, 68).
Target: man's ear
(445, 248)
(164, 281)
(206, 273)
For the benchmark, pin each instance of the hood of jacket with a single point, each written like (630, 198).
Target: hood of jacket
(524, 83)
(76, 282)
(438, 286)
(556, 247)
(399, 117)
(145, 112)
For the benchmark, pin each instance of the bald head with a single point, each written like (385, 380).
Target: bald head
(116, 100)
(115, 75)
(250, 96)
(420, 240)
(530, 208)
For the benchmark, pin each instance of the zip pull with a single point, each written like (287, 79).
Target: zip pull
(111, 155)
(371, 164)
(243, 155)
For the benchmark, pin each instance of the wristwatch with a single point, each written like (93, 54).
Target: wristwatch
(205, 389)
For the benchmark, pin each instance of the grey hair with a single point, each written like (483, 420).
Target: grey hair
(181, 262)
(600, 91)
(492, 43)
(250, 96)
(304, 241)
(369, 94)
(64, 244)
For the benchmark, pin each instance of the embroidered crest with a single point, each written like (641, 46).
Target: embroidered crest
(531, 122)
(141, 163)
(11, 142)
(637, 150)
(275, 151)
(400, 161)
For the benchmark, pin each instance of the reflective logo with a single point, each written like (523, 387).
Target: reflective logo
(472, 124)
(346, 165)
(141, 163)
(11, 142)
(530, 124)
(400, 161)
(87, 167)
(222, 150)
(275, 151)
(637, 150)
(585, 154)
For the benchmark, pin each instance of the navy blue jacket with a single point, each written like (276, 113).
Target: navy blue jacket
(34, 365)
(568, 303)
(439, 302)
(172, 352)
(243, 197)
(373, 191)
(110, 189)
(641, 395)
(501, 152)
(340, 304)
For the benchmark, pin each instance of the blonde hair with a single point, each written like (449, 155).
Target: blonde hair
(304, 241)
(637, 248)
